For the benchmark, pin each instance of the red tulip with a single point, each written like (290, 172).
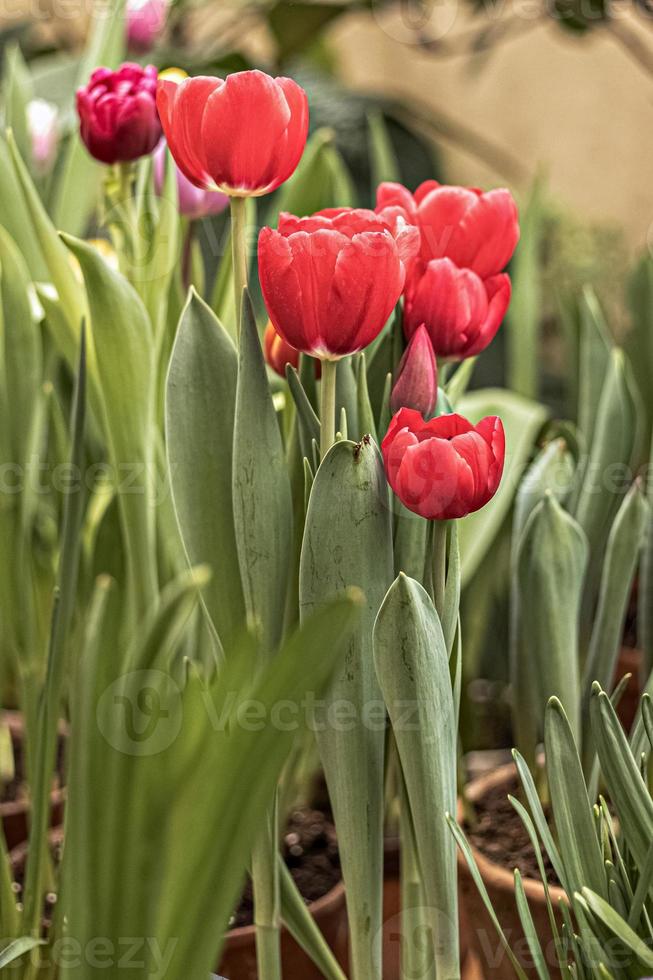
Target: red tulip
(445, 468)
(461, 312)
(330, 281)
(117, 113)
(416, 384)
(243, 135)
(476, 230)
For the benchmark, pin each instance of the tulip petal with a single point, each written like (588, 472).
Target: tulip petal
(487, 234)
(181, 106)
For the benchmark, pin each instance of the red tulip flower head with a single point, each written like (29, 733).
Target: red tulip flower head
(243, 135)
(445, 468)
(117, 113)
(416, 383)
(331, 281)
(456, 287)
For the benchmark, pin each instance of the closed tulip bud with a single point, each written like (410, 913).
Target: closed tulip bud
(44, 131)
(117, 113)
(444, 468)
(461, 312)
(416, 384)
(330, 281)
(146, 20)
(277, 352)
(243, 135)
(193, 201)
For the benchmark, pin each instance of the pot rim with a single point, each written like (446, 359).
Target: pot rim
(502, 879)
(234, 938)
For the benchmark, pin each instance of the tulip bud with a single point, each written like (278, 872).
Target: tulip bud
(145, 22)
(43, 126)
(416, 382)
(117, 113)
(278, 353)
(193, 201)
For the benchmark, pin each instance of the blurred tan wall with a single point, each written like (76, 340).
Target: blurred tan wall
(581, 108)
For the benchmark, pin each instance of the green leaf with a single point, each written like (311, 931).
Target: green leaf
(303, 927)
(18, 91)
(348, 541)
(122, 340)
(524, 316)
(412, 665)
(17, 948)
(261, 490)
(59, 266)
(552, 471)
(466, 851)
(550, 572)
(539, 818)
(78, 183)
(15, 216)
(320, 181)
(610, 453)
(595, 347)
(574, 822)
(618, 927)
(528, 927)
(21, 340)
(200, 417)
(522, 421)
(383, 160)
(621, 560)
(307, 420)
(628, 792)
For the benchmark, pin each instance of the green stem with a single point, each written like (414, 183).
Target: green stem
(267, 901)
(238, 207)
(327, 406)
(439, 559)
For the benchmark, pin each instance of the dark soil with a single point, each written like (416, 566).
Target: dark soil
(310, 851)
(500, 835)
(17, 789)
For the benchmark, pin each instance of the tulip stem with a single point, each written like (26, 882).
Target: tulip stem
(238, 208)
(328, 406)
(439, 558)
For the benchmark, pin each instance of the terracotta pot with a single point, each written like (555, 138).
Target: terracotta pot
(392, 913)
(238, 960)
(15, 813)
(630, 662)
(481, 934)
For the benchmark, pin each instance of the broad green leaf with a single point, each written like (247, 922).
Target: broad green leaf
(122, 339)
(18, 91)
(621, 560)
(609, 455)
(525, 313)
(57, 259)
(639, 342)
(348, 541)
(200, 415)
(15, 216)
(552, 471)
(412, 666)
(522, 421)
(594, 357)
(550, 573)
(261, 491)
(21, 341)
(574, 822)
